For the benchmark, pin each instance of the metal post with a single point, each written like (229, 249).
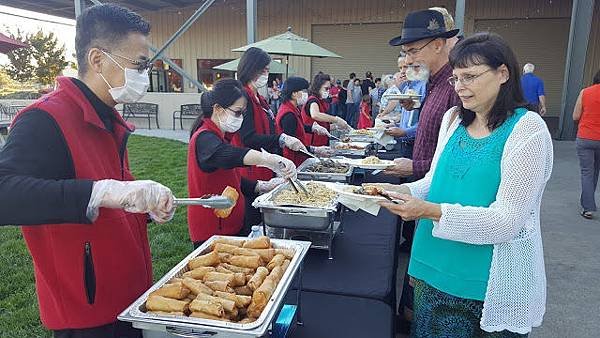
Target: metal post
(251, 18)
(579, 35)
(459, 16)
(79, 7)
(186, 25)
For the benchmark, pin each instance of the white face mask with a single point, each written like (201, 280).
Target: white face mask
(325, 94)
(303, 98)
(231, 123)
(262, 80)
(135, 87)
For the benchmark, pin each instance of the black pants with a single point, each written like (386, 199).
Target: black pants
(114, 330)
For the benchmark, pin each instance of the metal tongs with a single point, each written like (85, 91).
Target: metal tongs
(207, 201)
(295, 183)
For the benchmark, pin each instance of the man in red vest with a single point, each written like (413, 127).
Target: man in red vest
(65, 178)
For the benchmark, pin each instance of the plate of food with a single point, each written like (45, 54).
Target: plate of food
(361, 132)
(373, 162)
(350, 146)
(366, 191)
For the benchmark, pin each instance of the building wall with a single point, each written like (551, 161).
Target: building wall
(223, 26)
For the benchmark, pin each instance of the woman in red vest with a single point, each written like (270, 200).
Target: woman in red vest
(289, 120)
(587, 112)
(213, 163)
(258, 128)
(316, 108)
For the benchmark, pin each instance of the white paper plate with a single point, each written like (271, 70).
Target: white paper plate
(402, 96)
(348, 191)
(359, 163)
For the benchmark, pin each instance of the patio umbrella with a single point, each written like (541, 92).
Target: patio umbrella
(288, 44)
(275, 67)
(8, 44)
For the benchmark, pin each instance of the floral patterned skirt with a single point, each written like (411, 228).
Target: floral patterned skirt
(440, 315)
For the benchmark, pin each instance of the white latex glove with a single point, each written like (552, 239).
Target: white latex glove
(132, 196)
(292, 142)
(263, 187)
(340, 123)
(279, 164)
(322, 151)
(320, 130)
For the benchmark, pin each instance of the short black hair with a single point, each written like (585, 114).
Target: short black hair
(317, 83)
(492, 50)
(103, 26)
(378, 79)
(252, 64)
(596, 79)
(352, 76)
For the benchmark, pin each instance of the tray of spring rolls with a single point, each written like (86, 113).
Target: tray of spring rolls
(228, 287)
(325, 170)
(285, 208)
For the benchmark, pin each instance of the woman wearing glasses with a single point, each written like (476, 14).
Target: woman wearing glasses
(213, 163)
(289, 120)
(316, 108)
(477, 260)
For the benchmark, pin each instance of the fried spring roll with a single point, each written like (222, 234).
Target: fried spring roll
(224, 256)
(207, 316)
(210, 259)
(276, 274)
(261, 297)
(240, 300)
(228, 305)
(244, 252)
(277, 260)
(228, 241)
(265, 254)
(251, 262)
(262, 242)
(196, 286)
(234, 268)
(285, 264)
(239, 279)
(160, 303)
(258, 278)
(247, 320)
(212, 308)
(220, 285)
(174, 290)
(226, 248)
(221, 268)
(218, 276)
(198, 273)
(243, 291)
(288, 253)
(175, 280)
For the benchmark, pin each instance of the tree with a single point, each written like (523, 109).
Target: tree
(21, 66)
(43, 61)
(49, 56)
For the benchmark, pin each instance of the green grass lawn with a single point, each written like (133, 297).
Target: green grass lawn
(150, 158)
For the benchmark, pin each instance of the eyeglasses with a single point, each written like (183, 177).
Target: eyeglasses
(465, 80)
(141, 65)
(417, 50)
(237, 113)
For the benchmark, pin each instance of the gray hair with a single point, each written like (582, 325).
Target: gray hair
(528, 68)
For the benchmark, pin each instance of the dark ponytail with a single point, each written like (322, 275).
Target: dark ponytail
(224, 93)
(252, 63)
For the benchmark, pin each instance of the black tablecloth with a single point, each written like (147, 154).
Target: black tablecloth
(364, 259)
(335, 316)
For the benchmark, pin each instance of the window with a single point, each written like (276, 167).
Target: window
(164, 79)
(207, 75)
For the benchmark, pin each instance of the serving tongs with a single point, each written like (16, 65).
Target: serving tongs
(295, 183)
(207, 201)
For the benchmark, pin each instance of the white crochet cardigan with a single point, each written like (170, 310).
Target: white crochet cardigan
(516, 293)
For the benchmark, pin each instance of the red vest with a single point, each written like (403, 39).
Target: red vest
(316, 140)
(202, 221)
(288, 107)
(113, 252)
(260, 107)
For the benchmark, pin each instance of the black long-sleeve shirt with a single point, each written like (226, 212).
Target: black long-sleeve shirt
(213, 154)
(37, 174)
(253, 140)
(289, 125)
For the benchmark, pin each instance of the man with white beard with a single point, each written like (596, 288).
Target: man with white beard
(423, 41)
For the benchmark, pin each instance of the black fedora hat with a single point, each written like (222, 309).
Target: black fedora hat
(421, 25)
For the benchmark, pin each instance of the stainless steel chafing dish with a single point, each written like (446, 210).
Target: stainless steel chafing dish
(155, 325)
(304, 174)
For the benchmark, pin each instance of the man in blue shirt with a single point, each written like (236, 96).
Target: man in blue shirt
(533, 89)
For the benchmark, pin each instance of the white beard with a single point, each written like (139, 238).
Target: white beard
(422, 74)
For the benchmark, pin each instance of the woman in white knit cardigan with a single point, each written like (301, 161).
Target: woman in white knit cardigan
(477, 259)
